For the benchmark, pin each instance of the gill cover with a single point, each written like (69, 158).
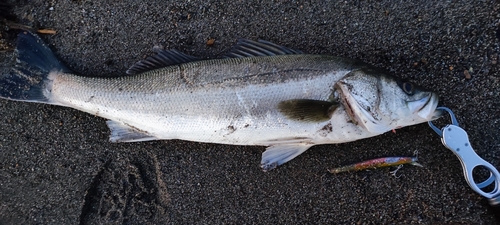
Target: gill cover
(379, 102)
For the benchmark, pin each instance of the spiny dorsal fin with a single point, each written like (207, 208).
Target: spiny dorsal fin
(249, 48)
(163, 58)
(307, 110)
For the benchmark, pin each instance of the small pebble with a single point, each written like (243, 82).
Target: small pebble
(210, 42)
(467, 74)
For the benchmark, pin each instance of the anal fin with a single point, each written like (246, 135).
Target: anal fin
(122, 133)
(276, 155)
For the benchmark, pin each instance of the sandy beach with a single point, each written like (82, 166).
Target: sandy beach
(57, 165)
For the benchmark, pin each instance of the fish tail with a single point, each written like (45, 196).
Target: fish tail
(30, 79)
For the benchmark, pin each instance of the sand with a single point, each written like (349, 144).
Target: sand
(58, 167)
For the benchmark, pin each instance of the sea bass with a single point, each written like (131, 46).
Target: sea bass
(259, 94)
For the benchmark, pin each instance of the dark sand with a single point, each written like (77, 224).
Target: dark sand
(57, 166)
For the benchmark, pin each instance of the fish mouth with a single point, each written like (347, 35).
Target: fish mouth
(426, 107)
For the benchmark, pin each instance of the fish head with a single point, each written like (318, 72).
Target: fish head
(380, 102)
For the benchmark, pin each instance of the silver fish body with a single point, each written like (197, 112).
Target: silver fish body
(258, 100)
(229, 101)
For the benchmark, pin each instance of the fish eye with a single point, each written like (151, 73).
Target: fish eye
(408, 88)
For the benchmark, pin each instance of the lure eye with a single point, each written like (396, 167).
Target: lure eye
(408, 88)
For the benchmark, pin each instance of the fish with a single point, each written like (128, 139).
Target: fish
(259, 93)
(377, 163)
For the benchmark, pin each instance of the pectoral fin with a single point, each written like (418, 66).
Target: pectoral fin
(278, 154)
(123, 133)
(307, 110)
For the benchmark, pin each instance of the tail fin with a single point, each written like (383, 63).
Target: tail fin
(29, 79)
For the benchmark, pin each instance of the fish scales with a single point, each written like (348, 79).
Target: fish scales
(198, 101)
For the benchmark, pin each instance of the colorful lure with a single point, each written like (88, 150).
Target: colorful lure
(377, 163)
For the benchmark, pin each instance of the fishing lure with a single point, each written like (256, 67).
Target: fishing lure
(377, 163)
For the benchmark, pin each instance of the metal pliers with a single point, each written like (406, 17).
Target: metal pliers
(456, 139)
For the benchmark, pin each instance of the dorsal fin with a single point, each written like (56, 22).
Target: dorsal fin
(163, 58)
(249, 48)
